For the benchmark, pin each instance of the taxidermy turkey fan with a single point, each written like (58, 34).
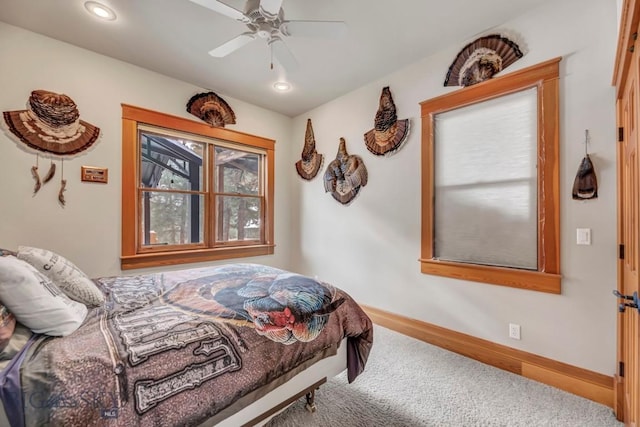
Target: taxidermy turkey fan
(265, 20)
(481, 59)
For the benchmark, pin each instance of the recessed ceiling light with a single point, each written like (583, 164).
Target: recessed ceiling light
(281, 86)
(100, 10)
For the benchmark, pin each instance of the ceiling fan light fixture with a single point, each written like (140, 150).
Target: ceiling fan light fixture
(265, 20)
(100, 10)
(281, 86)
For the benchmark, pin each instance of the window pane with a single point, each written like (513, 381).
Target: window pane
(239, 218)
(172, 218)
(170, 163)
(237, 171)
(485, 206)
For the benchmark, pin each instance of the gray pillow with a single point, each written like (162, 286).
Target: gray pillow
(73, 282)
(36, 301)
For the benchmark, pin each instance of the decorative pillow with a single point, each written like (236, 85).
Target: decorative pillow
(7, 326)
(36, 301)
(17, 341)
(73, 282)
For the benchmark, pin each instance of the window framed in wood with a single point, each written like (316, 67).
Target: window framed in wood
(192, 192)
(490, 181)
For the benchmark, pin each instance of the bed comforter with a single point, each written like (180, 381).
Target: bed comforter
(176, 348)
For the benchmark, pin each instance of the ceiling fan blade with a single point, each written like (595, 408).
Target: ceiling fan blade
(223, 9)
(270, 8)
(232, 45)
(283, 54)
(326, 29)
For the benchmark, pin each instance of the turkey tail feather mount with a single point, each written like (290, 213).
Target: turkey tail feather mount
(345, 175)
(388, 133)
(585, 185)
(211, 108)
(481, 59)
(311, 161)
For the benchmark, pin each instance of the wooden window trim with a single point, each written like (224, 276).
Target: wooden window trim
(547, 278)
(131, 258)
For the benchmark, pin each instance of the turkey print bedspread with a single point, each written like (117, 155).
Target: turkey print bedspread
(176, 348)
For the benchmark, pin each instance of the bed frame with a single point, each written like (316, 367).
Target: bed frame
(305, 383)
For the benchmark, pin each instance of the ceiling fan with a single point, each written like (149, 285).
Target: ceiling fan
(265, 19)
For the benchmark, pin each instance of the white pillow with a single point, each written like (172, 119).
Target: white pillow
(36, 301)
(63, 273)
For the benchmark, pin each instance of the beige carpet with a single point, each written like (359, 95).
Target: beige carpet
(411, 383)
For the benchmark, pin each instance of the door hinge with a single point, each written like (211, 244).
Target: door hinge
(620, 251)
(620, 134)
(621, 369)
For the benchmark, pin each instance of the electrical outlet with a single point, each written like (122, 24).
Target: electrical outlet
(514, 331)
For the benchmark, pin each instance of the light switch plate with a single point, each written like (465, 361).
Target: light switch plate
(583, 236)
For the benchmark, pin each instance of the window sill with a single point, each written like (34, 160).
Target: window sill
(159, 259)
(523, 279)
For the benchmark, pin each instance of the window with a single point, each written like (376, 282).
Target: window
(192, 192)
(490, 197)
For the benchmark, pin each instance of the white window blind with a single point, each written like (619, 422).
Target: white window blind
(485, 176)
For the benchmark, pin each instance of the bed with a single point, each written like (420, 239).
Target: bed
(225, 345)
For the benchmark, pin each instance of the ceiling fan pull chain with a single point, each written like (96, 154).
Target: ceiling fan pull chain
(271, 52)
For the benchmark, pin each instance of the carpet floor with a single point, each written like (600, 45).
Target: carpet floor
(408, 382)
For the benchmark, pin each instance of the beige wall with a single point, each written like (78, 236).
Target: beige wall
(87, 229)
(371, 247)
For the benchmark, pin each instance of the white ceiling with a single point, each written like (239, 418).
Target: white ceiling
(172, 37)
